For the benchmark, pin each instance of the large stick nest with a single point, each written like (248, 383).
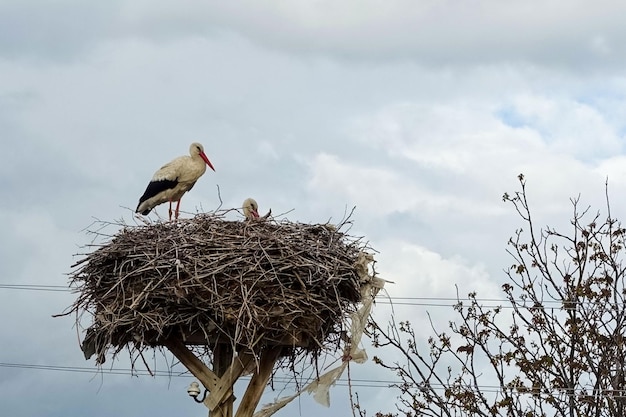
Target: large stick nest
(208, 280)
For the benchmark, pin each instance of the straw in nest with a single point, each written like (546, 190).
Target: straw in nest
(208, 280)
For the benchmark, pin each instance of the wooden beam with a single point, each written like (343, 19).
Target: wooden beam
(228, 379)
(258, 382)
(222, 359)
(191, 362)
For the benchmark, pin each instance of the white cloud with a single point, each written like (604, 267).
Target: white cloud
(36, 233)
(419, 272)
(600, 45)
(570, 35)
(428, 31)
(60, 30)
(451, 137)
(376, 190)
(569, 126)
(614, 169)
(477, 151)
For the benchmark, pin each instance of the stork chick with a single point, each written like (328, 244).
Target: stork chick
(250, 209)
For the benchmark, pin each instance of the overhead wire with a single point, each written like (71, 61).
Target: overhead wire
(289, 381)
(36, 287)
(396, 301)
(171, 374)
(365, 383)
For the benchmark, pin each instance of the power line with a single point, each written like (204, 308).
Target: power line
(412, 301)
(397, 301)
(289, 381)
(138, 372)
(34, 287)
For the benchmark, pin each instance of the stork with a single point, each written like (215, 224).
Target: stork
(173, 180)
(250, 209)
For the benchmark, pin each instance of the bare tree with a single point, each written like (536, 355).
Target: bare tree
(554, 347)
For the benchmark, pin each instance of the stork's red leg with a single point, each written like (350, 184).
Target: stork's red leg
(177, 207)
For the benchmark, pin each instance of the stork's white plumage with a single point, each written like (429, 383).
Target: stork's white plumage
(250, 209)
(174, 179)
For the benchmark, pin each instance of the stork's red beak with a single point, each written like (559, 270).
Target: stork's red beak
(255, 213)
(203, 156)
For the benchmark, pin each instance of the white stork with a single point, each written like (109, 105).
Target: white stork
(250, 209)
(174, 179)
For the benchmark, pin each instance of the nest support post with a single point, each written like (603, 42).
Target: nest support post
(258, 382)
(222, 359)
(226, 370)
(219, 381)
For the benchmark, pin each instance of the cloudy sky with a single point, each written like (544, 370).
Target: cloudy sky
(420, 113)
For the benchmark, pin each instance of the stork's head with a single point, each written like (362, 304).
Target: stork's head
(250, 209)
(196, 149)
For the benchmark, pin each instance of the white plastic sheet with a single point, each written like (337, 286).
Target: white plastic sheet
(320, 388)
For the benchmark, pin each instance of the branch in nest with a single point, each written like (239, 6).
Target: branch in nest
(207, 280)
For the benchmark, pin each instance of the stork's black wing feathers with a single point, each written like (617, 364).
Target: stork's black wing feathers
(154, 188)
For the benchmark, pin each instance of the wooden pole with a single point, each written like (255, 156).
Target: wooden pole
(222, 359)
(258, 382)
(227, 381)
